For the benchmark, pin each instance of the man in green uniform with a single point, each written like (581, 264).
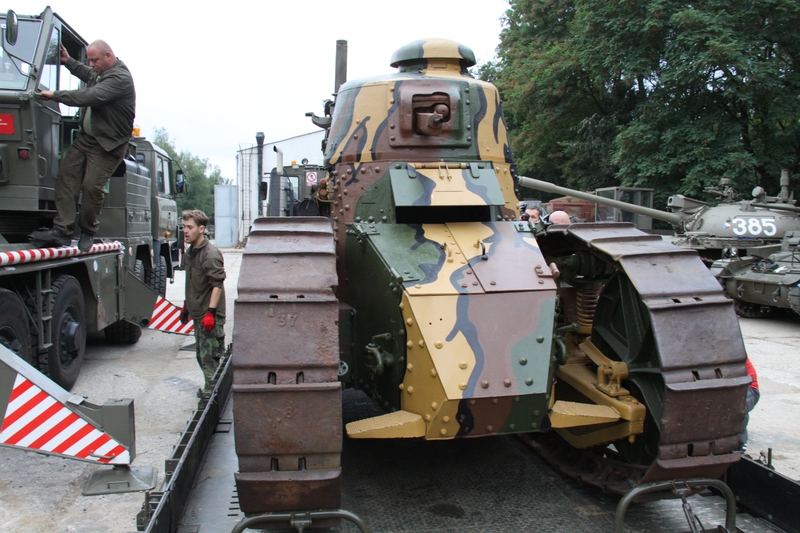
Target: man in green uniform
(205, 293)
(108, 103)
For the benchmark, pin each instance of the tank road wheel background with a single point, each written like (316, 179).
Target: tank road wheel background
(156, 277)
(15, 331)
(751, 310)
(623, 332)
(64, 358)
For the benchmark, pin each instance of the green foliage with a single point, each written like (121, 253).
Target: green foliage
(657, 93)
(199, 186)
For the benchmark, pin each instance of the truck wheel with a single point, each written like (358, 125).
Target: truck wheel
(64, 358)
(156, 277)
(15, 330)
(123, 332)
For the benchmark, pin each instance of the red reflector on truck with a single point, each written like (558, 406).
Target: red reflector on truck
(6, 124)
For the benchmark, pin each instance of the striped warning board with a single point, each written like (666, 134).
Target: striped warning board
(167, 317)
(37, 421)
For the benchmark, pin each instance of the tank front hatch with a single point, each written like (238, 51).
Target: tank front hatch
(439, 54)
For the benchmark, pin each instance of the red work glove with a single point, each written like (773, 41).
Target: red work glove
(184, 314)
(208, 320)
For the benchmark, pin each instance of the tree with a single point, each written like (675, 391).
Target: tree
(659, 93)
(199, 186)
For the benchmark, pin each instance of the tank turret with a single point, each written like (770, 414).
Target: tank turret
(725, 228)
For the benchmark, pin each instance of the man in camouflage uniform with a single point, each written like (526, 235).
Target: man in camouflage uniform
(205, 293)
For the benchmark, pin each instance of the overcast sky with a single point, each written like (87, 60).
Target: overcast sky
(212, 75)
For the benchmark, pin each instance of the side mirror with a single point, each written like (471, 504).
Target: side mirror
(11, 27)
(180, 182)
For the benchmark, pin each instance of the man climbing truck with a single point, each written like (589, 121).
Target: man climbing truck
(51, 298)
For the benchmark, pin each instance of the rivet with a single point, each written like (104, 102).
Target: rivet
(512, 426)
(523, 361)
(409, 344)
(391, 101)
(433, 372)
(464, 285)
(347, 207)
(469, 271)
(445, 419)
(363, 170)
(439, 344)
(540, 339)
(462, 386)
(507, 382)
(402, 305)
(489, 428)
(474, 282)
(410, 390)
(534, 425)
(495, 401)
(462, 365)
(409, 367)
(492, 283)
(401, 386)
(443, 431)
(427, 418)
(392, 138)
(541, 282)
(410, 321)
(485, 384)
(516, 398)
(434, 406)
(421, 343)
(536, 412)
(392, 126)
(529, 381)
(417, 286)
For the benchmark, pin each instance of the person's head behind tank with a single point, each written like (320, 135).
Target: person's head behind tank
(559, 217)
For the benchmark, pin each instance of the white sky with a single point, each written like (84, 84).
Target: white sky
(212, 75)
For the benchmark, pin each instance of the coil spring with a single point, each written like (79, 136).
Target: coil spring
(587, 305)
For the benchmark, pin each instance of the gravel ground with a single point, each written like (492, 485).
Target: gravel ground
(42, 493)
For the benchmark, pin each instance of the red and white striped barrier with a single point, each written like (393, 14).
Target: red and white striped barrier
(43, 254)
(38, 422)
(167, 317)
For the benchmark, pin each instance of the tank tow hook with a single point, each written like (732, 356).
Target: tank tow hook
(681, 488)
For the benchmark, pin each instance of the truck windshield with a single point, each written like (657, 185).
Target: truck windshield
(14, 68)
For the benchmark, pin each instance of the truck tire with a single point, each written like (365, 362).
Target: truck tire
(156, 277)
(123, 332)
(62, 361)
(15, 330)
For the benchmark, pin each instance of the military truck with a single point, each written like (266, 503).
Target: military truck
(51, 299)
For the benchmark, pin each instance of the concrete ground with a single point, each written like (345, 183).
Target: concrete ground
(41, 493)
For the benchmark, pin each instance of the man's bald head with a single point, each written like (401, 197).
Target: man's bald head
(101, 56)
(559, 217)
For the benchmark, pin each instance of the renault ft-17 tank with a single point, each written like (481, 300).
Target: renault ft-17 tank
(423, 291)
(766, 282)
(730, 228)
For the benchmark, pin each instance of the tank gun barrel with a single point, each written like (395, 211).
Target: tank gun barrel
(672, 218)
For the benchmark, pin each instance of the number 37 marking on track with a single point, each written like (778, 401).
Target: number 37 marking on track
(754, 226)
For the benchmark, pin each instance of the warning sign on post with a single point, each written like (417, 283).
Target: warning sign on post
(311, 178)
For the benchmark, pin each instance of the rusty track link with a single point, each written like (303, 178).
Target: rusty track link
(663, 314)
(286, 394)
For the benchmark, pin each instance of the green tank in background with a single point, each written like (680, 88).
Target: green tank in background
(729, 228)
(766, 282)
(608, 349)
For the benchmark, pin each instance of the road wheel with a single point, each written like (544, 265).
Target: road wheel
(64, 358)
(751, 310)
(15, 331)
(156, 277)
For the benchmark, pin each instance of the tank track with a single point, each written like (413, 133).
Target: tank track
(697, 369)
(286, 394)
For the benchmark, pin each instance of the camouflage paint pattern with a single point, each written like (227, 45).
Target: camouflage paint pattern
(450, 293)
(210, 345)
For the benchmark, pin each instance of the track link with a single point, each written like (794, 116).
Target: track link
(286, 394)
(664, 315)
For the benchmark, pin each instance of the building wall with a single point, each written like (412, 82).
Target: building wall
(307, 146)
